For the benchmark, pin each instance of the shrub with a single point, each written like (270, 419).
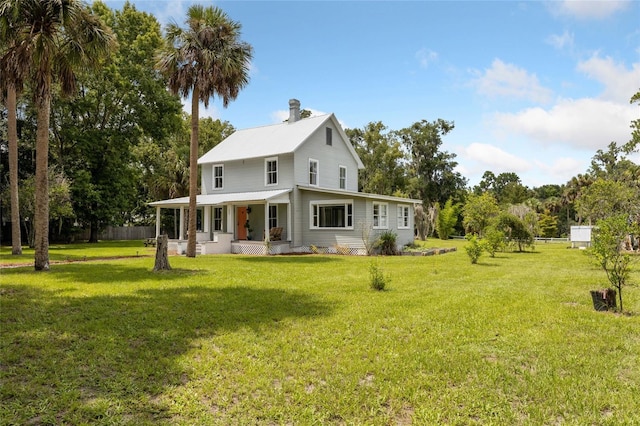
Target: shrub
(412, 246)
(609, 235)
(378, 280)
(493, 241)
(447, 219)
(343, 250)
(387, 243)
(473, 249)
(515, 230)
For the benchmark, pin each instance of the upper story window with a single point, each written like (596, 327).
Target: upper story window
(380, 216)
(218, 176)
(271, 171)
(313, 172)
(329, 132)
(343, 177)
(331, 214)
(403, 217)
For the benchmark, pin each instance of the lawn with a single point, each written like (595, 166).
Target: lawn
(304, 340)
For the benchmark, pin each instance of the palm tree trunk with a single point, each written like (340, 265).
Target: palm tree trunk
(42, 184)
(12, 130)
(193, 173)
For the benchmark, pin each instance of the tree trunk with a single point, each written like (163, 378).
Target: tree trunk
(162, 258)
(193, 174)
(31, 237)
(41, 262)
(93, 232)
(12, 130)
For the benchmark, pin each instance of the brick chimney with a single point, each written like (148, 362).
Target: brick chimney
(294, 110)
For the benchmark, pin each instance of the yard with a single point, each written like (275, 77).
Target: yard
(304, 340)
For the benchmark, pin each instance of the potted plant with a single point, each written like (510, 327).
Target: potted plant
(249, 230)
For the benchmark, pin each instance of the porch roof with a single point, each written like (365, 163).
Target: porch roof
(277, 195)
(367, 195)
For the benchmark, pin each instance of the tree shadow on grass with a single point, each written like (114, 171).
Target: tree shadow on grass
(116, 273)
(293, 259)
(107, 359)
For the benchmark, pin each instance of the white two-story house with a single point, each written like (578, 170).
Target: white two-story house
(288, 187)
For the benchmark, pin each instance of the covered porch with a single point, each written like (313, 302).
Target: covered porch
(247, 222)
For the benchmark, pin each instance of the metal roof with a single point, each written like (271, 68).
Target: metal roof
(276, 195)
(360, 194)
(276, 139)
(264, 141)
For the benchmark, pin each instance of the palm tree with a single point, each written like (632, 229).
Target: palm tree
(11, 81)
(52, 39)
(205, 59)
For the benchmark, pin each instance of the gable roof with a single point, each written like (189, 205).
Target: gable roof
(272, 140)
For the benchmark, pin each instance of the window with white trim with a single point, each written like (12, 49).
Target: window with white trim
(343, 177)
(273, 216)
(331, 214)
(329, 134)
(217, 218)
(380, 216)
(403, 217)
(313, 172)
(218, 176)
(271, 171)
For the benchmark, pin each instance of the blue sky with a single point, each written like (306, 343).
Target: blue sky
(534, 87)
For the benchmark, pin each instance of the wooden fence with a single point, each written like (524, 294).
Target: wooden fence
(123, 233)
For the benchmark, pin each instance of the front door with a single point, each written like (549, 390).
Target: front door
(241, 219)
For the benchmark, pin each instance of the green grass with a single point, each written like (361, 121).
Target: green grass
(59, 253)
(304, 340)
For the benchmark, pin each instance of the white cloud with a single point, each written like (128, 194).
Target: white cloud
(582, 9)
(561, 41)
(561, 169)
(620, 83)
(493, 158)
(210, 111)
(170, 12)
(426, 57)
(585, 123)
(508, 80)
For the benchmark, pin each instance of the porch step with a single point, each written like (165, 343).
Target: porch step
(198, 249)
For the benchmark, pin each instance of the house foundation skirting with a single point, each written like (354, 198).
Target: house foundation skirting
(344, 250)
(224, 245)
(260, 247)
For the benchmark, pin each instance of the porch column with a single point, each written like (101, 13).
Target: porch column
(288, 221)
(266, 222)
(157, 221)
(181, 236)
(230, 225)
(207, 219)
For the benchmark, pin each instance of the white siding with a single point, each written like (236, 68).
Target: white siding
(362, 223)
(330, 158)
(248, 175)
